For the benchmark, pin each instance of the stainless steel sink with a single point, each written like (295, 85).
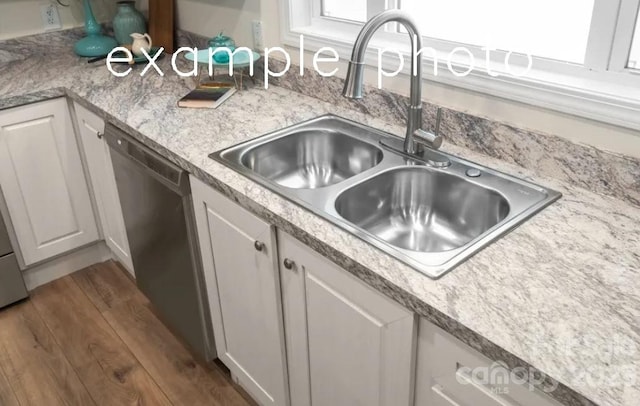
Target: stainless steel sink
(432, 218)
(312, 158)
(421, 210)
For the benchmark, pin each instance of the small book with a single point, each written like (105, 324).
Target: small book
(208, 95)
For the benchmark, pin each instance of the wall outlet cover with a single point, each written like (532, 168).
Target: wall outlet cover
(258, 37)
(50, 17)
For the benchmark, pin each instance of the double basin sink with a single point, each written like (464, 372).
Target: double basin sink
(431, 217)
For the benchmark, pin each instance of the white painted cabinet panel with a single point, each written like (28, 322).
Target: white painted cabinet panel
(449, 373)
(346, 343)
(43, 181)
(103, 180)
(240, 265)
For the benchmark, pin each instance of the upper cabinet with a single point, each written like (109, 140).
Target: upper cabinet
(43, 181)
(240, 265)
(103, 180)
(346, 343)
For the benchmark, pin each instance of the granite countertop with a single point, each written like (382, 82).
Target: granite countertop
(561, 293)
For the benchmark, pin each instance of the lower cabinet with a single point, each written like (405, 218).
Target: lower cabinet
(98, 159)
(296, 329)
(346, 343)
(43, 181)
(240, 264)
(452, 374)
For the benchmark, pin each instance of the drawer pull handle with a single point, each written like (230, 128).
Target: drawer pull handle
(466, 377)
(99, 134)
(288, 263)
(259, 246)
(439, 390)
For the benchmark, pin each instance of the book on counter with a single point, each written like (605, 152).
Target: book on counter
(208, 95)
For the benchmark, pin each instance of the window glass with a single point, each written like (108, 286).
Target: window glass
(555, 29)
(354, 10)
(634, 57)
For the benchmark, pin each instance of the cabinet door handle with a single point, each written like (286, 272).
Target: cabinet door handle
(99, 134)
(288, 263)
(259, 246)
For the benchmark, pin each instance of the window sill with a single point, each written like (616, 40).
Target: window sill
(607, 98)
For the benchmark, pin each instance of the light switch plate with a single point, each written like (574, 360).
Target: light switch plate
(50, 17)
(258, 38)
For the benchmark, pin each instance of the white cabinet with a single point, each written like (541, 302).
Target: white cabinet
(98, 159)
(43, 181)
(240, 265)
(449, 373)
(346, 343)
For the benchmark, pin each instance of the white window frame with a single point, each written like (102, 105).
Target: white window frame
(602, 89)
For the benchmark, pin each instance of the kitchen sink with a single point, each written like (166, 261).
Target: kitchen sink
(432, 216)
(421, 210)
(311, 158)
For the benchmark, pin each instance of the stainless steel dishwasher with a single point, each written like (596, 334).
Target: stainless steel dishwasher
(12, 286)
(155, 196)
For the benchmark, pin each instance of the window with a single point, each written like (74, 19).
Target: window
(585, 54)
(354, 10)
(556, 29)
(634, 57)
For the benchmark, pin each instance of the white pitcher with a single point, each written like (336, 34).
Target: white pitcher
(140, 42)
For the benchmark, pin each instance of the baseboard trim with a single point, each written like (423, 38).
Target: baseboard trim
(65, 265)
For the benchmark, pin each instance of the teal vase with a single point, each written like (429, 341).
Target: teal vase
(222, 41)
(94, 44)
(127, 21)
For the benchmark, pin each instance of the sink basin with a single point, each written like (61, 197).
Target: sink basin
(431, 217)
(309, 159)
(421, 210)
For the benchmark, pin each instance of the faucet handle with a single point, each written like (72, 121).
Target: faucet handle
(438, 119)
(431, 140)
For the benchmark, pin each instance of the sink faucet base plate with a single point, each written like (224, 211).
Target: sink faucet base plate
(427, 155)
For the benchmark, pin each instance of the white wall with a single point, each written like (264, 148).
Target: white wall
(22, 17)
(207, 17)
(234, 17)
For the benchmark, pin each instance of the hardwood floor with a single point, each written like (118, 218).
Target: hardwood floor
(92, 338)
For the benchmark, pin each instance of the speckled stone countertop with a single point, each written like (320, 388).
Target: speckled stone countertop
(561, 293)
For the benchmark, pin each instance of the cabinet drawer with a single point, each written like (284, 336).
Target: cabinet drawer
(461, 376)
(441, 398)
(461, 389)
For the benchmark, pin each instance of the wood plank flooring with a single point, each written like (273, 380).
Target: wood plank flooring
(92, 338)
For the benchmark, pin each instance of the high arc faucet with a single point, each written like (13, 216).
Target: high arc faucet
(415, 137)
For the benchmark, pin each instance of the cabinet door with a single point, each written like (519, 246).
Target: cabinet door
(240, 265)
(43, 181)
(346, 343)
(103, 180)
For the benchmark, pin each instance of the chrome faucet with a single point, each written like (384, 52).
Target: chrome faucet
(415, 137)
